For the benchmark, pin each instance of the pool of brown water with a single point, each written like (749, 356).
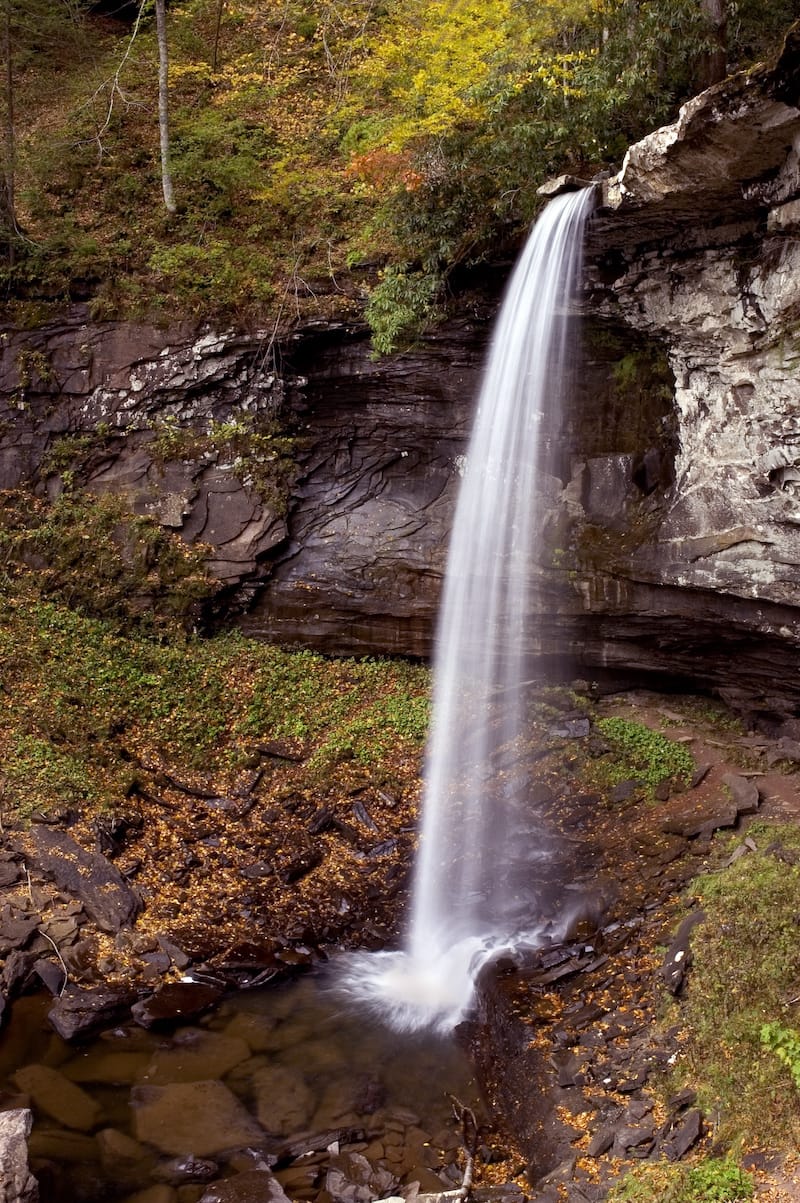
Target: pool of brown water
(281, 1080)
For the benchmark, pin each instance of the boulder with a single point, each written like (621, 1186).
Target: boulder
(17, 1184)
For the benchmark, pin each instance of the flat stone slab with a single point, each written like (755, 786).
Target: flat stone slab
(196, 1056)
(106, 896)
(202, 1118)
(59, 1098)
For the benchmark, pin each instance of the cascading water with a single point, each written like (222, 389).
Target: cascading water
(475, 887)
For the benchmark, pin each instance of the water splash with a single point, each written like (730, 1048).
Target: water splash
(481, 880)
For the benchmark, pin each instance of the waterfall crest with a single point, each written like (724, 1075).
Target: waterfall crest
(473, 889)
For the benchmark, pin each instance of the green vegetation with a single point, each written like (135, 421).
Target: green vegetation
(82, 704)
(637, 751)
(715, 1180)
(785, 1044)
(740, 1012)
(94, 554)
(314, 142)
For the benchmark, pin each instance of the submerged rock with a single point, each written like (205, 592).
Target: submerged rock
(204, 1117)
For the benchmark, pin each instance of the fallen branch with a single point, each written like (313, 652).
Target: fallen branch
(469, 1137)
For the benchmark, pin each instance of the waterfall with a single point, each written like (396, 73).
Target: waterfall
(475, 888)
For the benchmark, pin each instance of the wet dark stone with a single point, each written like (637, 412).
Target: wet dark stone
(744, 793)
(252, 1186)
(257, 871)
(601, 1142)
(16, 928)
(788, 855)
(663, 791)
(699, 775)
(571, 728)
(186, 1169)
(10, 873)
(684, 1135)
(179, 958)
(106, 896)
(684, 1098)
(678, 958)
(300, 866)
(176, 1000)
(321, 820)
(630, 1137)
(77, 1012)
(624, 791)
(50, 974)
(567, 1067)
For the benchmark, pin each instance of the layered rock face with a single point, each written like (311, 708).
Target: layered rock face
(324, 482)
(695, 244)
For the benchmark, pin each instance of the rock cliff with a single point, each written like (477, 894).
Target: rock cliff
(695, 246)
(324, 481)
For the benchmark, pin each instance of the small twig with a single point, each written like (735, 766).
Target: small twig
(469, 1136)
(60, 960)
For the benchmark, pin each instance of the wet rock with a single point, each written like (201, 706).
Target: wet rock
(744, 793)
(176, 1000)
(187, 1169)
(16, 928)
(298, 867)
(78, 1012)
(177, 956)
(353, 1179)
(252, 1186)
(153, 1194)
(571, 728)
(684, 1134)
(630, 1138)
(10, 873)
(283, 1102)
(61, 1145)
(110, 1068)
(123, 1158)
(106, 896)
(256, 1030)
(50, 975)
(699, 775)
(601, 1142)
(701, 820)
(17, 1183)
(195, 1055)
(54, 1095)
(624, 791)
(203, 1118)
(678, 958)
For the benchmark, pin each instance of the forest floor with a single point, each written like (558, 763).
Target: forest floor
(282, 829)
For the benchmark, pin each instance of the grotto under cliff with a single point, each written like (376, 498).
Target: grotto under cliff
(672, 531)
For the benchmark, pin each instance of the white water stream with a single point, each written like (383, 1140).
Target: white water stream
(474, 889)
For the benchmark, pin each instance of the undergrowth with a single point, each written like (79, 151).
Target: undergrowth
(83, 705)
(715, 1180)
(641, 753)
(741, 1008)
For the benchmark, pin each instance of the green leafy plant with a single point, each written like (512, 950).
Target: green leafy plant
(400, 307)
(785, 1044)
(639, 751)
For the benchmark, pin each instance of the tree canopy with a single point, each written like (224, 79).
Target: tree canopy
(315, 142)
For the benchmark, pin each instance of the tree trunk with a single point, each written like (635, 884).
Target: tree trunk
(215, 54)
(163, 106)
(9, 217)
(714, 66)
